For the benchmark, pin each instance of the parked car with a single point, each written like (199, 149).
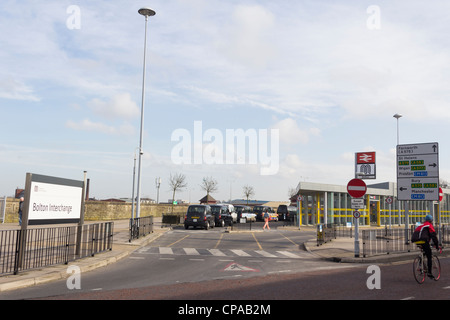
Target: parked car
(259, 211)
(199, 216)
(245, 212)
(232, 211)
(286, 213)
(273, 216)
(222, 216)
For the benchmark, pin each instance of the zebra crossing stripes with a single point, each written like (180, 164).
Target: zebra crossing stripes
(223, 252)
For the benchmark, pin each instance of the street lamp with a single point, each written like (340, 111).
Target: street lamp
(398, 116)
(146, 12)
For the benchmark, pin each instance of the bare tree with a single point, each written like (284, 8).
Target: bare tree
(209, 185)
(248, 192)
(177, 182)
(292, 192)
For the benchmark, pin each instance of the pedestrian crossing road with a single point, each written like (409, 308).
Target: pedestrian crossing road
(279, 254)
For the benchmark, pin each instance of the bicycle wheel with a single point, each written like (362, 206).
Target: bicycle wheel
(436, 269)
(419, 274)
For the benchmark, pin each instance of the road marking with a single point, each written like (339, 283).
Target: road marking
(217, 253)
(289, 254)
(218, 242)
(447, 287)
(137, 258)
(281, 271)
(166, 258)
(265, 254)
(289, 239)
(179, 240)
(238, 267)
(165, 250)
(197, 259)
(253, 234)
(240, 253)
(408, 298)
(191, 252)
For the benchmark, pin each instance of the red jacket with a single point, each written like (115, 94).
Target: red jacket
(428, 232)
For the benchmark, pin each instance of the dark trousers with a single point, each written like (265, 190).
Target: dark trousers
(427, 250)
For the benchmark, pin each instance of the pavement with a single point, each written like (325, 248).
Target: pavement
(339, 250)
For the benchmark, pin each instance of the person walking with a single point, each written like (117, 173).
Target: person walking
(266, 220)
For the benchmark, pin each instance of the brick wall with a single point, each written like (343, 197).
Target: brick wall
(100, 210)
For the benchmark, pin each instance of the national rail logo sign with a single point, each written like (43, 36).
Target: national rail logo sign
(365, 167)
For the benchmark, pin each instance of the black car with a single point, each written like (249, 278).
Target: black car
(286, 213)
(199, 216)
(222, 215)
(259, 211)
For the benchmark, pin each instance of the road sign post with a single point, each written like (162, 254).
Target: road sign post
(356, 188)
(417, 175)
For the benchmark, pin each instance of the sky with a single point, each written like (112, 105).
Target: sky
(310, 82)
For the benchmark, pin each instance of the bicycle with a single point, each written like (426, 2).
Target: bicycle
(420, 267)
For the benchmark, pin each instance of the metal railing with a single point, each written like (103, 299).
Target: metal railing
(140, 227)
(35, 248)
(385, 241)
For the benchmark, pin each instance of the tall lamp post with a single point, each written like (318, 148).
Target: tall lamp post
(146, 12)
(398, 116)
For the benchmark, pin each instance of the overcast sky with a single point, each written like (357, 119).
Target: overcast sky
(328, 76)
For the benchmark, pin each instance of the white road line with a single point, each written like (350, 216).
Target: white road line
(265, 254)
(191, 252)
(164, 250)
(217, 253)
(241, 253)
(408, 298)
(289, 254)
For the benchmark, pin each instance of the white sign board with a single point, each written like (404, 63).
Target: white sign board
(418, 172)
(357, 203)
(54, 200)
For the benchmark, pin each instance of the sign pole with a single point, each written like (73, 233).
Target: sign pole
(356, 236)
(81, 222)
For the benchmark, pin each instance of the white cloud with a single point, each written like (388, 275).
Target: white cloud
(120, 106)
(291, 133)
(246, 39)
(16, 90)
(88, 125)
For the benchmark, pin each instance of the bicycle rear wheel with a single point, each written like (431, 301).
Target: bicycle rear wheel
(436, 269)
(418, 271)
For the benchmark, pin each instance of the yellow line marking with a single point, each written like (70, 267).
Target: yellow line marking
(218, 242)
(288, 239)
(178, 240)
(253, 234)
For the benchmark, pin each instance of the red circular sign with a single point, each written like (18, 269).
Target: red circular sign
(356, 188)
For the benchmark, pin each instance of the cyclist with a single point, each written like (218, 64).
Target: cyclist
(426, 232)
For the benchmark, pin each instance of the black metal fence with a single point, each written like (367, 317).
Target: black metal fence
(140, 227)
(35, 248)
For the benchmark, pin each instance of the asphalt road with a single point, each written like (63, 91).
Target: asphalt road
(213, 265)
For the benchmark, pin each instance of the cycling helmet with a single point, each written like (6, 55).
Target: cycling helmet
(429, 217)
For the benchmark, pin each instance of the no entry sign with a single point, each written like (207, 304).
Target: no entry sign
(356, 188)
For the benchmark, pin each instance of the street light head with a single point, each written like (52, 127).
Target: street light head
(397, 116)
(147, 12)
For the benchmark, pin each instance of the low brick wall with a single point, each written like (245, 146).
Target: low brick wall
(103, 211)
